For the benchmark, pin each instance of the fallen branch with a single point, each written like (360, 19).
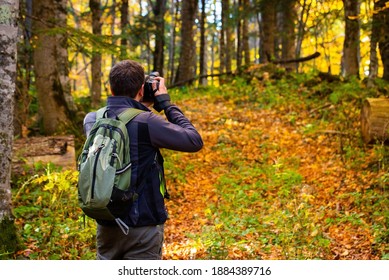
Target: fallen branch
(297, 60)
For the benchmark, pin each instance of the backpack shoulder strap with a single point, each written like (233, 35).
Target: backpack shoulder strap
(100, 113)
(128, 114)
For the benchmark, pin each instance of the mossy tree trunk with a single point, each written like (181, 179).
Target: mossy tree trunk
(8, 31)
(56, 105)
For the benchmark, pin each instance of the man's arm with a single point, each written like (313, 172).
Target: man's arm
(177, 133)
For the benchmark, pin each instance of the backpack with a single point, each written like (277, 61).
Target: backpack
(105, 168)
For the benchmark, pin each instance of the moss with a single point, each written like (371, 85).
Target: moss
(9, 241)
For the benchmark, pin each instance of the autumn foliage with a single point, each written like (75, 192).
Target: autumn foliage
(283, 174)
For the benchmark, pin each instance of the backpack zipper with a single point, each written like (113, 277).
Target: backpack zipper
(94, 169)
(107, 126)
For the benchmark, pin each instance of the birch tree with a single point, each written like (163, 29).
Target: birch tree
(8, 39)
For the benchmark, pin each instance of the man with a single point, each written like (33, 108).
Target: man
(148, 133)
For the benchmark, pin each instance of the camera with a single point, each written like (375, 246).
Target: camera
(148, 87)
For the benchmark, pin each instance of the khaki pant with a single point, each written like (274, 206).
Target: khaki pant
(141, 243)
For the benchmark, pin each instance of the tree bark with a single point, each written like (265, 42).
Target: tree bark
(288, 31)
(159, 10)
(51, 67)
(268, 11)
(95, 7)
(374, 38)
(8, 39)
(384, 38)
(172, 49)
(302, 23)
(186, 67)
(375, 120)
(203, 60)
(24, 71)
(123, 28)
(351, 40)
(245, 32)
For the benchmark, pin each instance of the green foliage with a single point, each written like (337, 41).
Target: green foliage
(49, 220)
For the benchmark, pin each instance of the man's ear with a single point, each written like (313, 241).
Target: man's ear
(140, 93)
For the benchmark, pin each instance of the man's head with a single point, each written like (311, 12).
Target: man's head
(126, 78)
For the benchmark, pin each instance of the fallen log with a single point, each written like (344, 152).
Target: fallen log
(58, 150)
(375, 120)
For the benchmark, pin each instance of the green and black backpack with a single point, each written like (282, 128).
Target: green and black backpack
(105, 168)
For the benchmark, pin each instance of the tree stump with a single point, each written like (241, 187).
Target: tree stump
(58, 150)
(375, 120)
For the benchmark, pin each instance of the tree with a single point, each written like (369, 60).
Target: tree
(374, 38)
(96, 10)
(124, 22)
(351, 40)
(203, 58)
(226, 39)
(243, 51)
(268, 11)
(186, 67)
(302, 23)
(174, 10)
(9, 35)
(24, 70)
(288, 34)
(384, 38)
(51, 65)
(159, 10)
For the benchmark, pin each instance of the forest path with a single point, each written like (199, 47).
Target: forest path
(318, 215)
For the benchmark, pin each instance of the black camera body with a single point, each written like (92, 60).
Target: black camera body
(149, 92)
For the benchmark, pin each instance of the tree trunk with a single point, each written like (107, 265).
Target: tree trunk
(384, 39)
(8, 39)
(245, 32)
(24, 71)
(51, 67)
(226, 40)
(174, 9)
(230, 46)
(288, 31)
(239, 33)
(302, 23)
(375, 120)
(351, 40)
(95, 7)
(374, 37)
(203, 60)
(123, 28)
(186, 67)
(268, 11)
(159, 10)
(224, 15)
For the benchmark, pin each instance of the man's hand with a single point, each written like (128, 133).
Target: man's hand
(162, 88)
(161, 97)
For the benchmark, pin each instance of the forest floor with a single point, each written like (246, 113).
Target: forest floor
(283, 174)
(276, 183)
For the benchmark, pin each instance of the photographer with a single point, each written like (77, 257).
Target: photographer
(148, 133)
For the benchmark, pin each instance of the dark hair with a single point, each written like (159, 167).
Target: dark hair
(126, 78)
